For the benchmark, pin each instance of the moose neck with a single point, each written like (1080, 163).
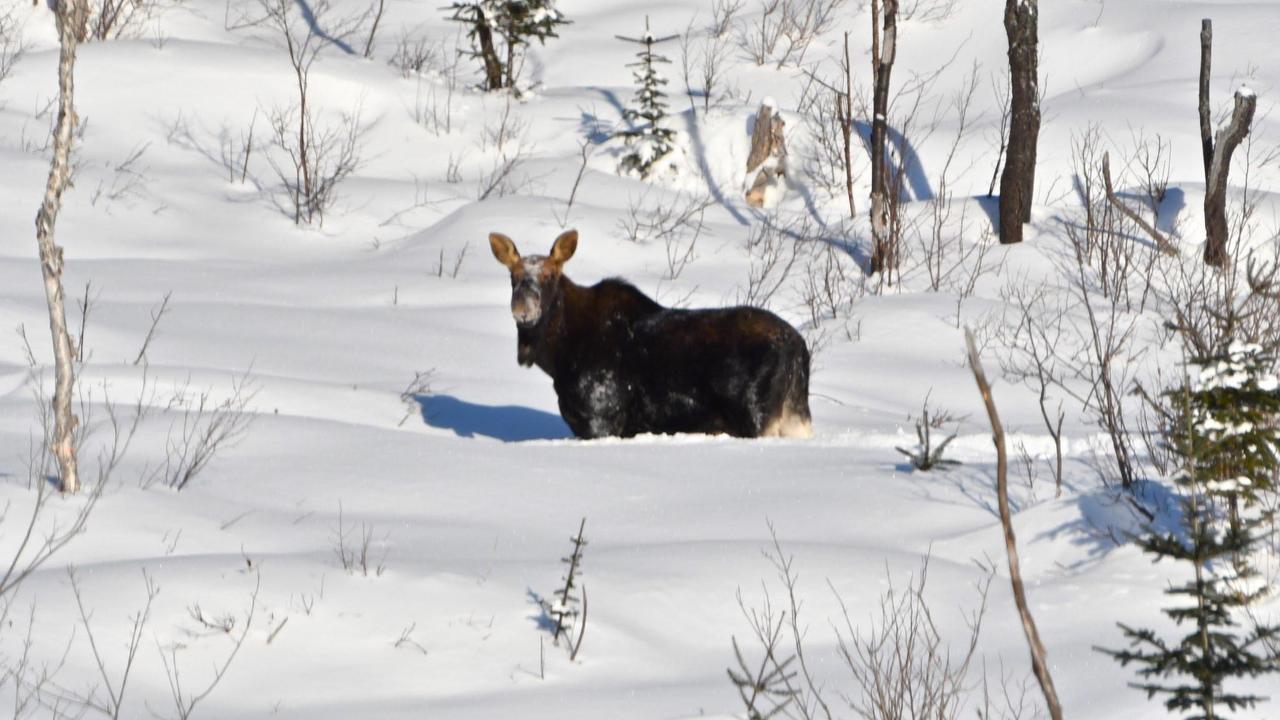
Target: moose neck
(537, 343)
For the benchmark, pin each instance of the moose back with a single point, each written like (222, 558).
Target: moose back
(623, 365)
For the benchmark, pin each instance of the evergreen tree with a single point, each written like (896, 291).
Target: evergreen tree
(1221, 431)
(649, 141)
(514, 23)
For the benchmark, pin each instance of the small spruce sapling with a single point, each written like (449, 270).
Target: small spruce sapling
(569, 611)
(648, 140)
(515, 23)
(1222, 435)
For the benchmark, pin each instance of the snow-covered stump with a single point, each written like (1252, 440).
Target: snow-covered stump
(767, 162)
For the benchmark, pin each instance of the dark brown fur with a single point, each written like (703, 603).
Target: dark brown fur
(623, 365)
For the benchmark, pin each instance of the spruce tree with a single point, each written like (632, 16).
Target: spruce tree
(1221, 432)
(515, 23)
(649, 141)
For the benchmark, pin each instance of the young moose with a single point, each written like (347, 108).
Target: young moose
(624, 365)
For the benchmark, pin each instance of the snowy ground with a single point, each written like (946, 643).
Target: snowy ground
(471, 493)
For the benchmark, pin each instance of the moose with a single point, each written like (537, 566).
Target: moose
(623, 365)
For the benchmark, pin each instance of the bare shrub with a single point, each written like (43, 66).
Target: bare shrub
(901, 664)
(723, 13)
(774, 245)
(113, 19)
(12, 46)
(419, 387)
(828, 289)
(928, 11)
(206, 428)
(1119, 267)
(660, 218)
(185, 699)
(112, 704)
(128, 180)
(353, 548)
(437, 75)
(827, 111)
(235, 151)
(785, 29)
(414, 55)
(1035, 340)
(319, 158)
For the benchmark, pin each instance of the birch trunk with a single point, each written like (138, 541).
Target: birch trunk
(71, 16)
(884, 50)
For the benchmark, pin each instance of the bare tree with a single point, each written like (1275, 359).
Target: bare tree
(1038, 664)
(319, 158)
(884, 49)
(1217, 151)
(1017, 185)
(1215, 199)
(71, 16)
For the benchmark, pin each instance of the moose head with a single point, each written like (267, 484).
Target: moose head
(535, 280)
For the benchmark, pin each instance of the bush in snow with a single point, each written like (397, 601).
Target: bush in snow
(1222, 434)
(499, 29)
(648, 140)
(927, 455)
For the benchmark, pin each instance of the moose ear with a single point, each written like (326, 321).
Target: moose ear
(504, 250)
(565, 246)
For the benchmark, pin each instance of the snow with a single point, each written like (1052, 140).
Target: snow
(470, 490)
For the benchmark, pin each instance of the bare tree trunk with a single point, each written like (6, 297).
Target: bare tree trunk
(492, 65)
(844, 105)
(72, 16)
(1018, 184)
(373, 30)
(768, 155)
(1215, 197)
(884, 49)
(1038, 665)
(1206, 67)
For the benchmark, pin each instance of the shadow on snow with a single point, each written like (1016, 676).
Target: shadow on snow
(508, 423)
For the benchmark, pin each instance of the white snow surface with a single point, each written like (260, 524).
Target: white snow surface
(470, 493)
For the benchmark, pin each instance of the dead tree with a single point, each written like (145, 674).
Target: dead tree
(1018, 184)
(767, 161)
(72, 18)
(1217, 152)
(1206, 69)
(884, 49)
(844, 103)
(1038, 665)
(1162, 243)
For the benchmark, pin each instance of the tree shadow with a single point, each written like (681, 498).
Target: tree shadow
(508, 423)
(313, 22)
